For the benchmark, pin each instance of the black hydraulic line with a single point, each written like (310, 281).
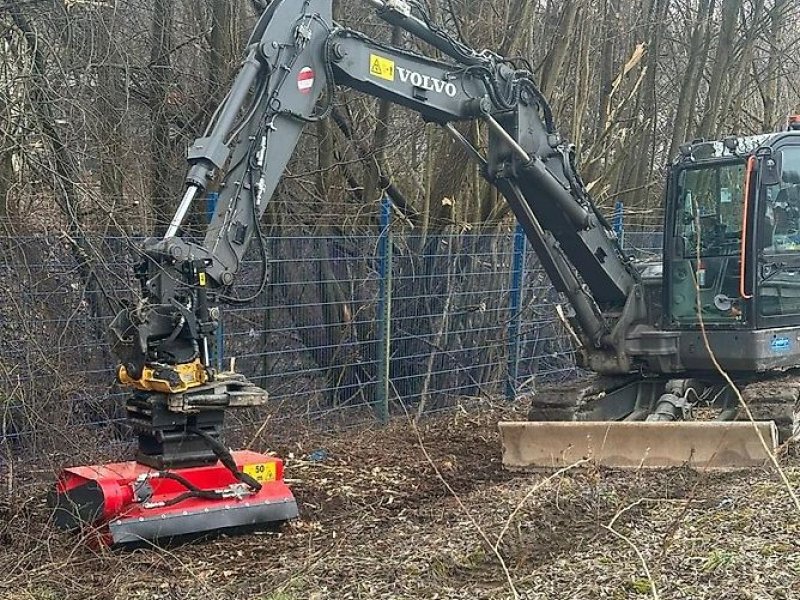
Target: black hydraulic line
(226, 458)
(192, 491)
(195, 491)
(175, 333)
(233, 300)
(180, 498)
(421, 28)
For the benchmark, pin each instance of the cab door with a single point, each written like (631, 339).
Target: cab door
(778, 244)
(703, 272)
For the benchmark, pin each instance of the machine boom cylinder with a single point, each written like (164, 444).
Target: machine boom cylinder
(183, 209)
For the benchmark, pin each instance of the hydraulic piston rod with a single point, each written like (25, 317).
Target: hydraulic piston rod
(576, 213)
(183, 209)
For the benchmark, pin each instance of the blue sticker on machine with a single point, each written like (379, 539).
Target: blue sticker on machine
(781, 344)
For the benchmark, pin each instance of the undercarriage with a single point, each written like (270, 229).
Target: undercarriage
(772, 397)
(656, 422)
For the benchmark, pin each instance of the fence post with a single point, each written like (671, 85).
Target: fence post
(514, 308)
(619, 221)
(384, 314)
(219, 345)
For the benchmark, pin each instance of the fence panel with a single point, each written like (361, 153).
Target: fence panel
(471, 316)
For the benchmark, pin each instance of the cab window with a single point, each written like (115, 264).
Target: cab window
(712, 199)
(779, 241)
(708, 225)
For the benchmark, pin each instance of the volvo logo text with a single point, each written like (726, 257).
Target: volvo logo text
(426, 82)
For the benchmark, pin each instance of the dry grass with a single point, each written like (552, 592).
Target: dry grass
(377, 522)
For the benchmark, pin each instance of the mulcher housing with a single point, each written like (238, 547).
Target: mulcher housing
(128, 502)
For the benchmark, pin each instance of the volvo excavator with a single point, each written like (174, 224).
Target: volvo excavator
(679, 347)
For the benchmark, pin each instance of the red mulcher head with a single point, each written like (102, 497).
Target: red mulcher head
(184, 481)
(129, 502)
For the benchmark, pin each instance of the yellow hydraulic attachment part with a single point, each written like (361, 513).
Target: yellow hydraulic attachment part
(703, 445)
(166, 379)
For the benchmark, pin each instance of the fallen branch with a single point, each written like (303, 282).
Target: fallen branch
(627, 540)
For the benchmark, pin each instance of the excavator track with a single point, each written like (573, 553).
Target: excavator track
(775, 399)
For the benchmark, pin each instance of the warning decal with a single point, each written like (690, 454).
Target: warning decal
(262, 472)
(381, 67)
(305, 80)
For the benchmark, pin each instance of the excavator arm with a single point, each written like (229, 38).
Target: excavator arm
(293, 61)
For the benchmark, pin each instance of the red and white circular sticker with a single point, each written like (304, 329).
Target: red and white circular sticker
(305, 80)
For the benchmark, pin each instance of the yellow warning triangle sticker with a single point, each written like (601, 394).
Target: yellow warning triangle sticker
(381, 67)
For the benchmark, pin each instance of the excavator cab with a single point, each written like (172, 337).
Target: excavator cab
(730, 283)
(777, 270)
(732, 251)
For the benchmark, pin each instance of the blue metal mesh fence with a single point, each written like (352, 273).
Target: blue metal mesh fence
(644, 245)
(467, 320)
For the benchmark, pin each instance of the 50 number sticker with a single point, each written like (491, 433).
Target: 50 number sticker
(261, 472)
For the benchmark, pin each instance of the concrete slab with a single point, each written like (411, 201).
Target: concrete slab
(703, 445)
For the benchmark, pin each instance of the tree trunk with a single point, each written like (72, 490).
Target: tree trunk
(161, 146)
(637, 178)
(722, 60)
(771, 91)
(734, 91)
(691, 127)
(110, 110)
(223, 48)
(582, 80)
(606, 67)
(6, 157)
(688, 89)
(521, 15)
(556, 57)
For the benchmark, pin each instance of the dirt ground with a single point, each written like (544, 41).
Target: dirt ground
(401, 512)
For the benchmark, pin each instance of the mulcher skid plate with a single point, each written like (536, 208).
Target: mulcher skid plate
(130, 503)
